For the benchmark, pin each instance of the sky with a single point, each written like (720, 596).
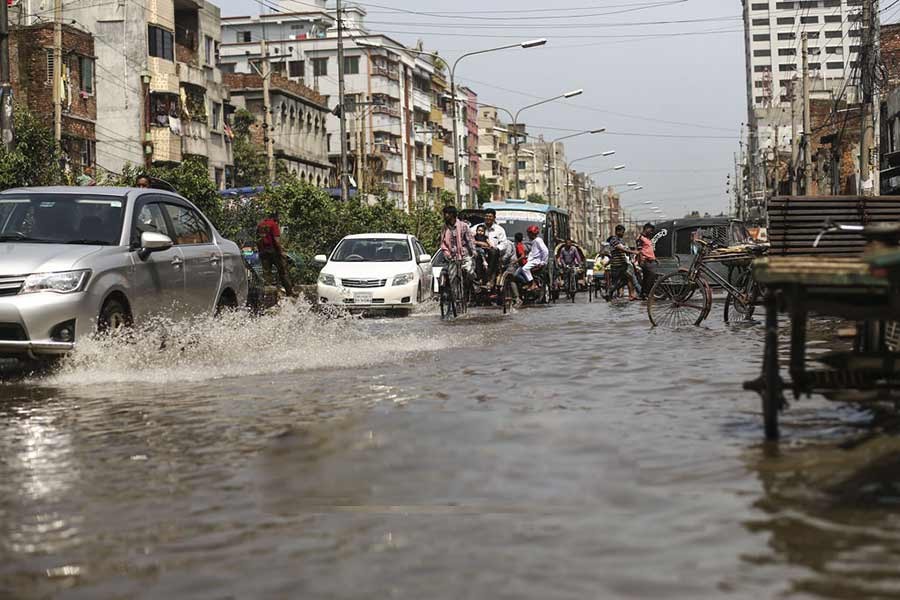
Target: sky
(665, 77)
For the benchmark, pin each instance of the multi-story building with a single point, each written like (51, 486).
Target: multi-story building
(469, 147)
(494, 152)
(157, 85)
(773, 37)
(298, 130)
(398, 116)
(31, 56)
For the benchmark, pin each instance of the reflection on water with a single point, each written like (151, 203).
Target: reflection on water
(567, 452)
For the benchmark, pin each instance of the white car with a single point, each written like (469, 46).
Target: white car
(375, 271)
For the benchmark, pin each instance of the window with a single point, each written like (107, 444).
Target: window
(295, 68)
(787, 67)
(50, 60)
(835, 65)
(854, 48)
(351, 65)
(760, 22)
(759, 7)
(88, 152)
(831, 4)
(216, 117)
(243, 36)
(761, 37)
(784, 5)
(809, 20)
(152, 220)
(815, 51)
(854, 33)
(812, 35)
(835, 50)
(86, 71)
(790, 35)
(833, 34)
(815, 66)
(521, 164)
(190, 228)
(320, 67)
(161, 43)
(832, 18)
(761, 69)
(787, 52)
(208, 50)
(760, 99)
(785, 20)
(762, 53)
(758, 84)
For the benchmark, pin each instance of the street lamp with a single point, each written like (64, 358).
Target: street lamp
(615, 168)
(527, 44)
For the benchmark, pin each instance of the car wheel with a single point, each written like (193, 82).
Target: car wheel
(227, 302)
(113, 316)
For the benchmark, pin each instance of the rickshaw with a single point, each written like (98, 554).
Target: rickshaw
(569, 280)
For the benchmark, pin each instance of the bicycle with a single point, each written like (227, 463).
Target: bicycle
(570, 279)
(684, 297)
(451, 290)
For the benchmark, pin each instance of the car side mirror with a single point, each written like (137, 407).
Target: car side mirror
(152, 241)
(424, 258)
(320, 259)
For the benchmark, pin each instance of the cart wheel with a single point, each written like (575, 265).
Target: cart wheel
(677, 300)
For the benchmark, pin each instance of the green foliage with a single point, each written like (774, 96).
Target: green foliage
(537, 198)
(485, 190)
(35, 160)
(249, 157)
(447, 198)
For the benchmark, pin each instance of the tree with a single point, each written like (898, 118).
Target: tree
(36, 158)
(447, 198)
(537, 198)
(250, 167)
(485, 190)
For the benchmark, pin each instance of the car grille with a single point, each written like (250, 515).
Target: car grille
(12, 332)
(364, 283)
(10, 286)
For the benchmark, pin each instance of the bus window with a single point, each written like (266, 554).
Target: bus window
(684, 238)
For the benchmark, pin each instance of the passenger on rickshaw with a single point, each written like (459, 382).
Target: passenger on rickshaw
(521, 250)
(482, 248)
(537, 258)
(497, 238)
(569, 255)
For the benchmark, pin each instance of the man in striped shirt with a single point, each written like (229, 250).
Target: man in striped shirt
(618, 264)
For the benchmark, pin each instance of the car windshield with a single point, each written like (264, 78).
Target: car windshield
(61, 219)
(372, 250)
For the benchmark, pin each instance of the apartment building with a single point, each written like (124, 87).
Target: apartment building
(31, 75)
(157, 85)
(469, 146)
(298, 130)
(773, 38)
(494, 152)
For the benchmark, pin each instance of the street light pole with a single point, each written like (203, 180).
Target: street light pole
(454, 108)
(515, 129)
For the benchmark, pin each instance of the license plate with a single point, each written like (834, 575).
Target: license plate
(359, 298)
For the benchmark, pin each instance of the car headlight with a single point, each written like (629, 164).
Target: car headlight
(326, 279)
(63, 282)
(403, 279)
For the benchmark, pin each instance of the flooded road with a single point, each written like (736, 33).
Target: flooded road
(561, 452)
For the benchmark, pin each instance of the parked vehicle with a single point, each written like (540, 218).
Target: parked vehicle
(375, 271)
(76, 259)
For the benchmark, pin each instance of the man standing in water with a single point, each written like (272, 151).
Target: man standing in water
(271, 254)
(647, 258)
(618, 265)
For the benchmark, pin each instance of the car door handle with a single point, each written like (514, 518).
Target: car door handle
(215, 258)
(177, 262)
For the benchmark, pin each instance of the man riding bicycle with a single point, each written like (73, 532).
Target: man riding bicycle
(537, 258)
(457, 241)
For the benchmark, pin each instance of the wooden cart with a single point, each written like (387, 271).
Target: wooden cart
(863, 289)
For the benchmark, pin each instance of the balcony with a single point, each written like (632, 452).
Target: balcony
(448, 153)
(163, 75)
(436, 116)
(191, 73)
(388, 149)
(420, 168)
(195, 138)
(166, 145)
(393, 164)
(437, 147)
(385, 71)
(438, 179)
(388, 87)
(385, 109)
(393, 186)
(422, 100)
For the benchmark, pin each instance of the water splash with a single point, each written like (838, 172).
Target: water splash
(291, 338)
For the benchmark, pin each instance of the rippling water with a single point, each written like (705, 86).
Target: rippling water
(564, 452)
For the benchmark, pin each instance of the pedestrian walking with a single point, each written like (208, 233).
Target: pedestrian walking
(271, 254)
(647, 258)
(618, 265)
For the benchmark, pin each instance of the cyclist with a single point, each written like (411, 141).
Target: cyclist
(457, 242)
(568, 257)
(537, 258)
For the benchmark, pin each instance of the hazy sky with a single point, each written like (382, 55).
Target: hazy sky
(665, 77)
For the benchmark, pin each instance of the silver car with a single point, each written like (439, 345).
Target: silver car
(77, 259)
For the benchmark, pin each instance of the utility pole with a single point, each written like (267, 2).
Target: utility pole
(7, 131)
(266, 74)
(345, 191)
(57, 70)
(807, 134)
(867, 75)
(795, 144)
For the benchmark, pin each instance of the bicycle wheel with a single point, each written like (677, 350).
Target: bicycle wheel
(572, 285)
(459, 307)
(740, 307)
(448, 310)
(677, 300)
(506, 293)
